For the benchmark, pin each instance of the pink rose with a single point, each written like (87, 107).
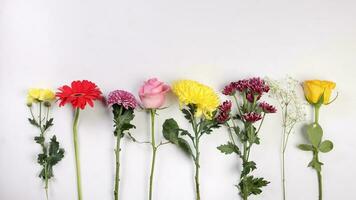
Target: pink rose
(153, 93)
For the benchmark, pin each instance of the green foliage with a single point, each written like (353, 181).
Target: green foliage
(48, 124)
(51, 152)
(305, 147)
(54, 155)
(33, 122)
(250, 185)
(207, 126)
(248, 167)
(315, 133)
(173, 133)
(229, 148)
(122, 119)
(316, 164)
(326, 146)
(184, 145)
(189, 112)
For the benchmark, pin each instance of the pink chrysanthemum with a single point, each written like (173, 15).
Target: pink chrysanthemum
(252, 117)
(267, 108)
(123, 98)
(224, 112)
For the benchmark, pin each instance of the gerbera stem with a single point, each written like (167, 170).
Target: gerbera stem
(76, 150)
(154, 151)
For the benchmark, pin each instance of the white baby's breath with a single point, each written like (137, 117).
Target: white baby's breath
(293, 111)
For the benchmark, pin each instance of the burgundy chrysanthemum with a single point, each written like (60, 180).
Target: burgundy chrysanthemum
(79, 94)
(242, 85)
(252, 117)
(122, 98)
(224, 112)
(257, 85)
(267, 108)
(229, 89)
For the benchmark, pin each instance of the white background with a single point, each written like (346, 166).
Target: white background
(119, 44)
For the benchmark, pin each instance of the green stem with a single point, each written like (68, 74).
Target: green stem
(320, 184)
(76, 150)
(317, 109)
(320, 188)
(197, 166)
(284, 144)
(117, 177)
(154, 151)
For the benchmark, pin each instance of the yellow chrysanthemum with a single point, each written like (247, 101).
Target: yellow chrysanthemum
(39, 95)
(202, 96)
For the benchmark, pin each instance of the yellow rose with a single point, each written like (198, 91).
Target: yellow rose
(38, 95)
(314, 89)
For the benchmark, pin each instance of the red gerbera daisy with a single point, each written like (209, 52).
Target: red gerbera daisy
(79, 94)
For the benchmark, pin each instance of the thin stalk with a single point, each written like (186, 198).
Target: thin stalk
(154, 151)
(43, 148)
(320, 188)
(117, 177)
(117, 155)
(317, 109)
(320, 182)
(197, 166)
(284, 144)
(76, 151)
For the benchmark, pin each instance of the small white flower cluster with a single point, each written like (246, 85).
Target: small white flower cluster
(293, 107)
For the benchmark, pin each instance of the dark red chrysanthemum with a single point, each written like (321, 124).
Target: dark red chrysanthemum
(79, 94)
(267, 108)
(229, 89)
(252, 117)
(224, 112)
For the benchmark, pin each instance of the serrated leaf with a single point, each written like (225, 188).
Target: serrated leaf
(122, 119)
(326, 146)
(171, 130)
(229, 148)
(315, 133)
(305, 147)
(33, 122)
(55, 153)
(39, 139)
(250, 185)
(248, 167)
(48, 124)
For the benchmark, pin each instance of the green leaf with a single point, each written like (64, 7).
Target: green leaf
(171, 131)
(305, 147)
(315, 164)
(248, 167)
(229, 148)
(184, 145)
(33, 122)
(251, 185)
(189, 112)
(326, 146)
(207, 126)
(48, 124)
(237, 130)
(39, 139)
(122, 119)
(315, 133)
(55, 153)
